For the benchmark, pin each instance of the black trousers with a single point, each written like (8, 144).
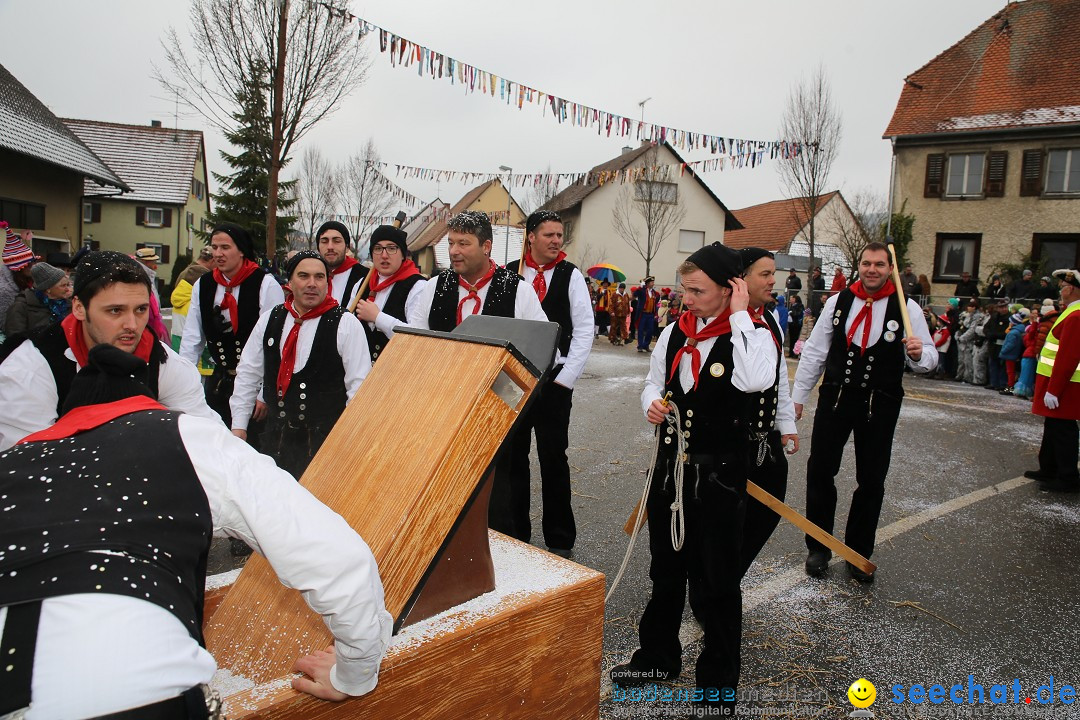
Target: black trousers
(872, 418)
(760, 521)
(1058, 452)
(549, 418)
(218, 390)
(714, 499)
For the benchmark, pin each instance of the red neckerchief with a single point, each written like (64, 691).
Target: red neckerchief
(539, 283)
(757, 316)
(89, 417)
(377, 284)
(345, 266)
(866, 314)
(76, 340)
(720, 325)
(473, 289)
(288, 350)
(229, 301)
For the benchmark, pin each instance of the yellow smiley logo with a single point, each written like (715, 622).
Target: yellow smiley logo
(862, 693)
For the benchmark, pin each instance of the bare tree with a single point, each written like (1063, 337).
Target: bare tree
(862, 225)
(647, 210)
(811, 119)
(316, 59)
(315, 191)
(541, 193)
(363, 194)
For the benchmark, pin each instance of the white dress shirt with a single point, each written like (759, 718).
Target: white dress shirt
(816, 348)
(785, 408)
(99, 654)
(194, 340)
(526, 304)
(386, 323)
(581, 315)
(753, 354)
(351, 346)
(28, 392)
(337, 288)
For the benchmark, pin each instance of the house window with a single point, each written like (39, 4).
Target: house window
(955, 254)
(1056, 250)
(87, 213)
(28, 216)
(204, 225)
(658, 192)
(190, 224)
(1063, 171)
(154, 217)
(965, 175)
(197, 188)
(691, 240)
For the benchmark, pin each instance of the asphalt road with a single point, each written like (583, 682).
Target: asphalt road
(976, 571)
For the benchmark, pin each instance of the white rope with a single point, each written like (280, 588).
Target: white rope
(678, 517)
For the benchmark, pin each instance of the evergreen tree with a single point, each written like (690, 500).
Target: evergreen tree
(245, 192)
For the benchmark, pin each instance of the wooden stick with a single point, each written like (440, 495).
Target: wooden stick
(521, 262)
(899, 291)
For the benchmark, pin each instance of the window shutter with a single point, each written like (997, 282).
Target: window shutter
(163, 251)
(1031, 173)
(995, 174)
(140, 215)
(95, 212)
(935, 173)
(166, 217)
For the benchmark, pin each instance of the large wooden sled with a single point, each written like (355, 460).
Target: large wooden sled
(409, 465)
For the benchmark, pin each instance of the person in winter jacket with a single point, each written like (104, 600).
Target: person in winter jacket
(1013, 347)
(994, 329)
(1025, 385)
(942, 341)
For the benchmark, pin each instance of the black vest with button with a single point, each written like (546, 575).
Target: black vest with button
(761, 406)
(394, 307)
(882, 366)
(356, 274)
(225, 345)
(556, 302)
(94, 514)
(500, 300)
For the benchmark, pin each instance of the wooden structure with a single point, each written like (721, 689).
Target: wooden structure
(422, 510)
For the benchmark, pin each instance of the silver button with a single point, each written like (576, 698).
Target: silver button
(301, 417)
(667, 441)
(303, 396)
(761, 413)
(762, 401)
(687, 423)
(281, 414)
(670, 430)
(689, 413)
(303, 386)
(280, 403)
(302, 407)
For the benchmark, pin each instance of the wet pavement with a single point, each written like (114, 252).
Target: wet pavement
(976, 571)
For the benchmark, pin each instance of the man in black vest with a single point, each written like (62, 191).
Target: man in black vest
(860, 348)
(710, 361)
(563, 295)
(110, 305)
(393, 290)
(474, 284)
(103, 614)
(346, 274)
(225, 304)
(309, 355)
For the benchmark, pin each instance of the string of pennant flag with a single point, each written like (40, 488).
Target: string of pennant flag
(405, 53)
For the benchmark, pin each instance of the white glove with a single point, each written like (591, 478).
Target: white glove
(1050, 401)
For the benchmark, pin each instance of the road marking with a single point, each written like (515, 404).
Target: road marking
(980, 408)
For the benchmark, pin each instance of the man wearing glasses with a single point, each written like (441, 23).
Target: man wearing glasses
(393, 288)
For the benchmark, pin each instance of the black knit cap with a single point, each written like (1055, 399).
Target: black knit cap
(391, 233)
(290, 267)
(334, 225)
(110, 374)
(540, 217)
(101, 264)
(719, 262)
(239, 235)
(751, 255)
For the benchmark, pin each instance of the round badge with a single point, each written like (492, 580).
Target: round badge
(836, 321)
(716, 369)
(889, 336)
(892, 325)
(270, 341)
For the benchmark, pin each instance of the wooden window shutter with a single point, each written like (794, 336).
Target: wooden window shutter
(1031, 173)
(995, 174)
(140, 215)
(935, 175)
(95, 212)
(166, 217)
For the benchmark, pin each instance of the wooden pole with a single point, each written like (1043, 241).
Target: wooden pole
(398, 220)
(521, 262)
(899, 290)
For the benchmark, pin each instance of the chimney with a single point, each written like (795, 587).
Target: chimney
(155, 123)
(627, 149)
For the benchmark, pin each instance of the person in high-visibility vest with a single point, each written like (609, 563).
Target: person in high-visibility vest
(1057, 394)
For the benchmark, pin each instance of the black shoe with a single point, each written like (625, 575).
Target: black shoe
(1056, 485)
(1037, 475)
(858, 575)
(562, 552)
(239, 548)
(631, 675)
(817, 563)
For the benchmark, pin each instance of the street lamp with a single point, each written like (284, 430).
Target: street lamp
(509, 199)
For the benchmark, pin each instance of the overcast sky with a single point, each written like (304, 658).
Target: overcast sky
(721, 67)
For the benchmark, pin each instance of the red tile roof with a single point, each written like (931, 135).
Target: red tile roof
(772, 225)
(1018, 69)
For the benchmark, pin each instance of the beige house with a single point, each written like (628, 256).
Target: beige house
(986, 143)
(588, 209)
(43, 167)
(168, 202)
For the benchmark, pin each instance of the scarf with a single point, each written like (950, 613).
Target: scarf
(473, 291)
(288, 350)
(866, 313)
(228, 302)
(59, 307)
(73, 332)
(720, 325)
(377, 284)
(539, 283)
(345, 266)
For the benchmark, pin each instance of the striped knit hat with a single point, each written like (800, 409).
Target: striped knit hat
(16, 254)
